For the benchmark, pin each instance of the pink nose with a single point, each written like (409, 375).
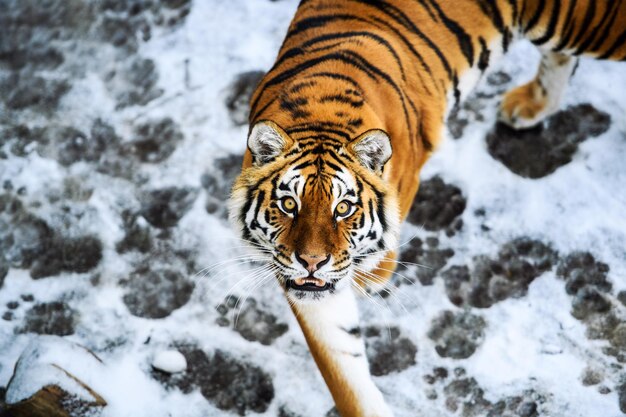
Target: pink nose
(312, 262)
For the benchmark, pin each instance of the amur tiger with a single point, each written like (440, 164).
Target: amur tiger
(343, 122)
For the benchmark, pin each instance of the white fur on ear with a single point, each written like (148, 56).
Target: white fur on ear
(266, 141)
(373, 148)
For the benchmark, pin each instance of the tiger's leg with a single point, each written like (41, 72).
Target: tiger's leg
(529, 104)
(331, 329)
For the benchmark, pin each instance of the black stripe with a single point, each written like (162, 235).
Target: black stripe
(319, 21)
(399, 17)
(335, 77)
(568, 27)
(387, 78)
(341, 98)
(318, 127)
(536, 17)
(483, 58)
(591, 36)
(465, 41)
(514, 16)
(490, 8)
(292, 72)
(428, 9)
(608, 27)
(621, 39)
(521, 14)
(554, 19)
(589, 15)
(333, 36)
(411, 48)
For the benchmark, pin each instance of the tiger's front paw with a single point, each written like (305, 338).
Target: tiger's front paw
(525, 106)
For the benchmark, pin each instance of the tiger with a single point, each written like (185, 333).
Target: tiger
(343, 122)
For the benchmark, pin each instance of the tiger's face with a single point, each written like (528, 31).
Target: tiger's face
(320, 208)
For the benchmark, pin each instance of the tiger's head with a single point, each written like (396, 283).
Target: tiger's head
(320, 207)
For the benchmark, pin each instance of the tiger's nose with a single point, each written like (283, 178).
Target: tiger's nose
(312, 262)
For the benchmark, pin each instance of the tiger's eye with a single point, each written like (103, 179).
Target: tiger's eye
(288, 204)
(343, 208)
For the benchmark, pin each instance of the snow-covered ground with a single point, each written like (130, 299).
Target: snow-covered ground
(116, 155)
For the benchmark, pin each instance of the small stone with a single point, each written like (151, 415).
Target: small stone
(440, 373)
(591, 377)
(527, 409)
(7, 316)
(170, 361)
(28, 298)
(12, 305)
(603, 389)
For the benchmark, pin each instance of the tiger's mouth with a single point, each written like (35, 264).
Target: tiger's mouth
(308, 284)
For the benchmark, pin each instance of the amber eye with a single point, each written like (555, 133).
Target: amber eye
(343, 209)
(288, 205)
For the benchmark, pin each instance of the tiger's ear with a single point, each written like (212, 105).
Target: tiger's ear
(266, 141)
(373, 149)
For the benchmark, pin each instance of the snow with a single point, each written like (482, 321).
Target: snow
(531, 343)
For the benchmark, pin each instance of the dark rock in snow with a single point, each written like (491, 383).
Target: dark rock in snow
(139, 80)
(165, 207)
(27, 90)
(283, 411)
(239, 94)
(155, 293)
(156, 140)
(437, 206)
(253, 323)
(587, 301)
(581, 269)
(56, 318)
(519, 262)
(228, 383)
(537, 152)
(388, 351)
(23, 237)
(457, 335)
(586, 279)
(137, 237)
(68, 254)
(428, 257)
